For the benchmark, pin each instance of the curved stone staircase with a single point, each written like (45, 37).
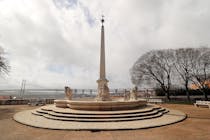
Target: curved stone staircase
(67, 114)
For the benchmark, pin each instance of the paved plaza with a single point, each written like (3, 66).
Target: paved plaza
(196, 126)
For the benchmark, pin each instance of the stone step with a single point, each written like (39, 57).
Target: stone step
(67, 114)
(97, 116)
(76, 114)
(36, 113)
(42, 111)
(82, 112)
(102, 120)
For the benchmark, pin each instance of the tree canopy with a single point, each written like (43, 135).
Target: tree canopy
(159, 67)
(4, 65)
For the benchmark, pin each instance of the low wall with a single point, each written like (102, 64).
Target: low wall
(13, 102)
(49, 101)
(21, 101)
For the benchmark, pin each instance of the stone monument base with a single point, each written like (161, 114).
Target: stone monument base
(52, 117)
(100, 105)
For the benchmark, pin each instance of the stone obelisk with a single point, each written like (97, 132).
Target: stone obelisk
(103, 90)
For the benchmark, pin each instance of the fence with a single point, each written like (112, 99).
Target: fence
(81, 93)
(56, 93)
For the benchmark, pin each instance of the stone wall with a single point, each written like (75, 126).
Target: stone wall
(13, 102)
(21, 101)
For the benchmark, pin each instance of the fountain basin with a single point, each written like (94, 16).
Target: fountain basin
(100, 105)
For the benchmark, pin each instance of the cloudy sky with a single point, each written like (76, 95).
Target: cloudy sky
(53, 43)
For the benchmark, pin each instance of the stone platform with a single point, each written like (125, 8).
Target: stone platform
(101, 105)
(52, 117)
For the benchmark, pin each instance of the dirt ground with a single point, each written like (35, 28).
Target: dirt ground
(195, 127)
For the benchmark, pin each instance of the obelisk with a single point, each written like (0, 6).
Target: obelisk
(103, 90)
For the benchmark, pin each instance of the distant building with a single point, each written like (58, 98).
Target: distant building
(3, 97)
(197, 86)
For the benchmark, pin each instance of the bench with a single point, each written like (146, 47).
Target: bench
(202, 104)
(160, 101)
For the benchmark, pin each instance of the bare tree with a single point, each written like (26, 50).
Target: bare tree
(201, 71)
(154, 66)
(157, 67)
(184, 63)
(4, 66)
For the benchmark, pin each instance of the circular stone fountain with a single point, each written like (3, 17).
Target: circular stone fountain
(103, 113)
(52, 117)
(101, 105)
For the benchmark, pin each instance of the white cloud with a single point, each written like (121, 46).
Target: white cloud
(54, 43)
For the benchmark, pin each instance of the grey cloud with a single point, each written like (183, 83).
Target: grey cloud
(65, 3)
(54, 43)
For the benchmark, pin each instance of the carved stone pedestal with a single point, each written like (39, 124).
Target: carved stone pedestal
(103, 90)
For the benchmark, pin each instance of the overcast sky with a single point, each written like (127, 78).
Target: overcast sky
(53, 43)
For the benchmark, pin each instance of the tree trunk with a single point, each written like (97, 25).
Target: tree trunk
(167, 95)
(205, 95)
(187, 91)
(188, 95)
(166, 91)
